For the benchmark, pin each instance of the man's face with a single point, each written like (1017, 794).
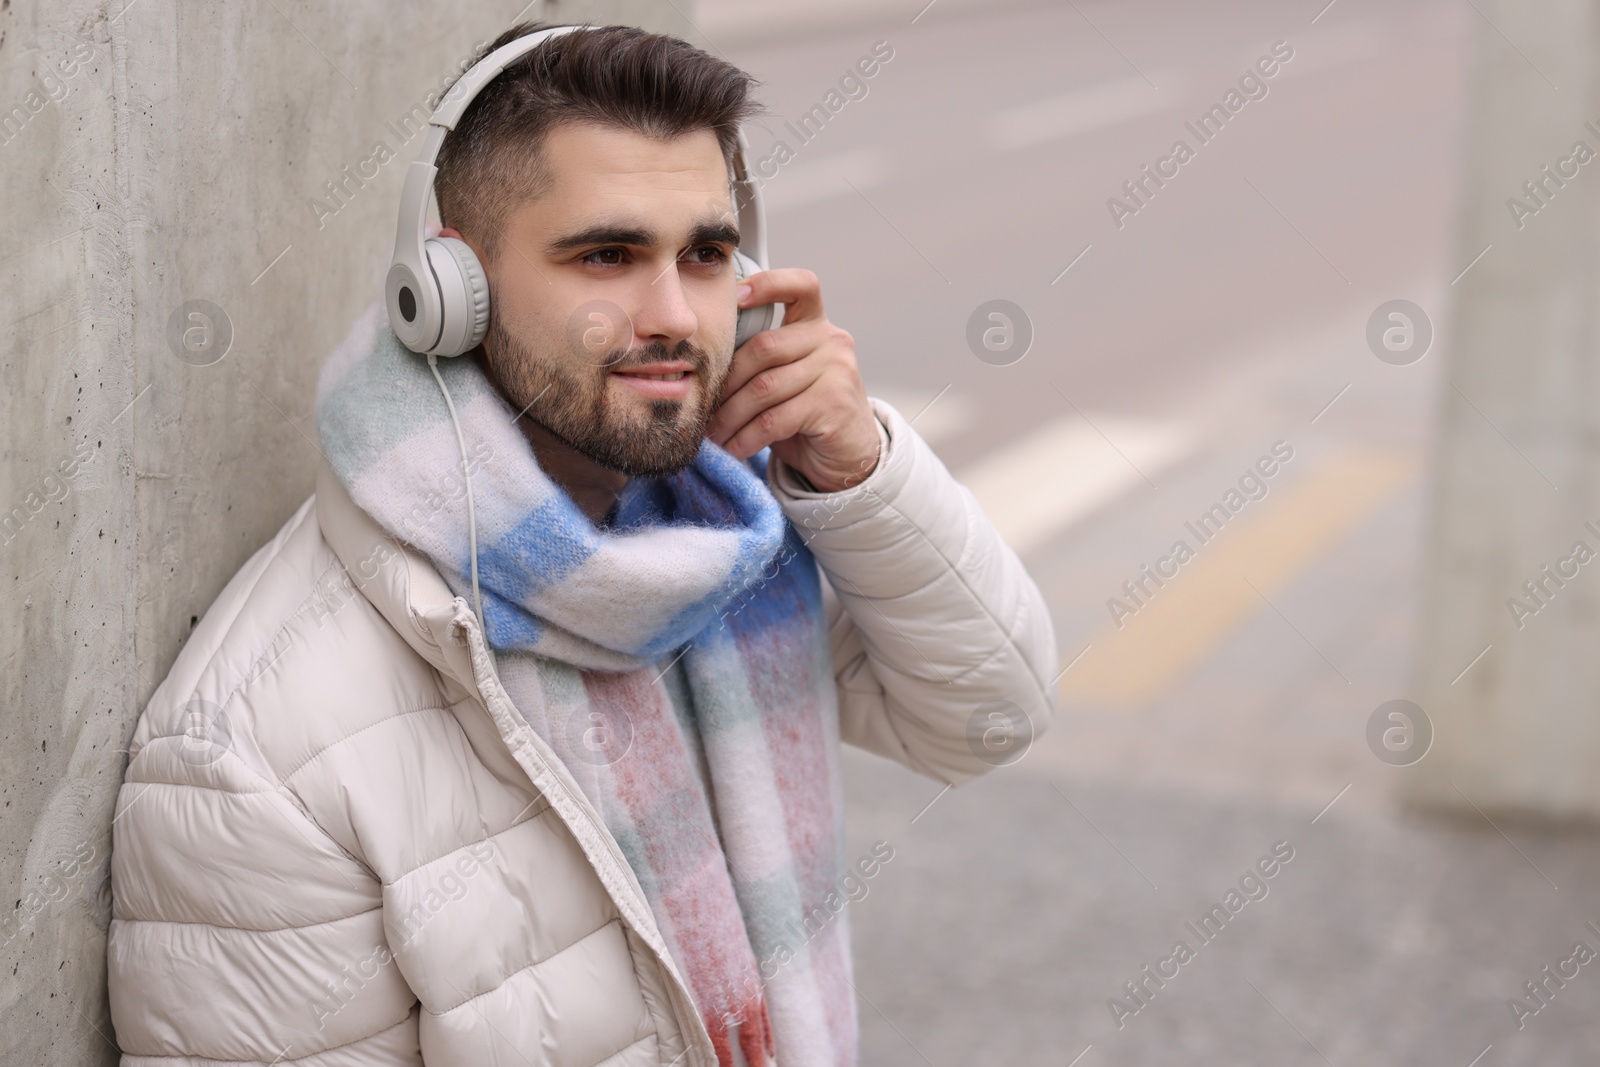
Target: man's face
(613, 309)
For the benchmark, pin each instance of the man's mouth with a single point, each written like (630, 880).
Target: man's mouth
(663, 381)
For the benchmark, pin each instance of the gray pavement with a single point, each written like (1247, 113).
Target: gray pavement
(1009, 917)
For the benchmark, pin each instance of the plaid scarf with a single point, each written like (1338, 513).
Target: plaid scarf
(677, 661)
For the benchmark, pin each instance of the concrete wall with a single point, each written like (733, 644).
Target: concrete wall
(1518, 460)
(154, 155)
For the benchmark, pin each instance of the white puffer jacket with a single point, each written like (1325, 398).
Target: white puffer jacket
(339, 844)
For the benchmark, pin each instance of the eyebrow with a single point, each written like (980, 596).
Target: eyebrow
(610, 233)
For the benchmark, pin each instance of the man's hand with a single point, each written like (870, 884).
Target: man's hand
(797, 389)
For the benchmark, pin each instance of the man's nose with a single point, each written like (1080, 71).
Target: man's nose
(663, 312)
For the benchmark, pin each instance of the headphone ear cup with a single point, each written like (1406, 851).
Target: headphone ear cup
(752, 320)
(464, 295)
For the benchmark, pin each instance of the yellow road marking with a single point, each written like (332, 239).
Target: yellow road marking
(1210, 599)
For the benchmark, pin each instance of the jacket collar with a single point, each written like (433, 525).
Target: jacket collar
(395, 578)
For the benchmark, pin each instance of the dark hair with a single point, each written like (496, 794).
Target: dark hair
(617, 76)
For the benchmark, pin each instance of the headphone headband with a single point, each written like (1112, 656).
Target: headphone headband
(416, 296)
(466, 88)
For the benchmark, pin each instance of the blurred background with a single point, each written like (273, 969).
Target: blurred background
(1341, 346)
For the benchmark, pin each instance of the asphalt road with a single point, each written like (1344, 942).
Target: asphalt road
(1332, 192)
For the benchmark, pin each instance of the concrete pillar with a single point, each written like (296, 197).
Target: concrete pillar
(156, 155)
(1518, 454)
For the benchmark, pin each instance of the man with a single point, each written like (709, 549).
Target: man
(601, 823)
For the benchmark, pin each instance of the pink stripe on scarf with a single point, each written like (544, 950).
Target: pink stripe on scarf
(703, 925)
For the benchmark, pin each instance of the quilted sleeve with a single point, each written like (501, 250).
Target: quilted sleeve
(240, 932)
(943, 648)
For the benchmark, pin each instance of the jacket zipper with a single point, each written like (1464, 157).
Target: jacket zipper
(484, 677)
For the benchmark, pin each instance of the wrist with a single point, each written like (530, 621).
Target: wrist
(849, 475)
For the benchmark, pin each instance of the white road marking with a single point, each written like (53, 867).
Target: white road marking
(807, 181)
(1065, 471)
(1111, 103)
(1081, 111)
(937, 422)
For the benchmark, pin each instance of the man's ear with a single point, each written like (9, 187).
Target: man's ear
(451, 231)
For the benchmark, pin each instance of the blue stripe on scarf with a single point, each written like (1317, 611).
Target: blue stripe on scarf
(740, 501)
(551, 541)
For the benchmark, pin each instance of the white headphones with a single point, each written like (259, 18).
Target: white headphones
(437, 292)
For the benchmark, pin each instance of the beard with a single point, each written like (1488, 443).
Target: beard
(570, 395)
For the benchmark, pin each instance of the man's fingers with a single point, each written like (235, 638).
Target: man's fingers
(796, 289)
(769, 348)
(777, 423)
(766, 390)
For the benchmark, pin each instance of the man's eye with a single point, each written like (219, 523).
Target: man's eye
(605, 257)
(706, 256)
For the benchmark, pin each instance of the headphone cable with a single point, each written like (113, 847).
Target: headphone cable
(472, 519)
